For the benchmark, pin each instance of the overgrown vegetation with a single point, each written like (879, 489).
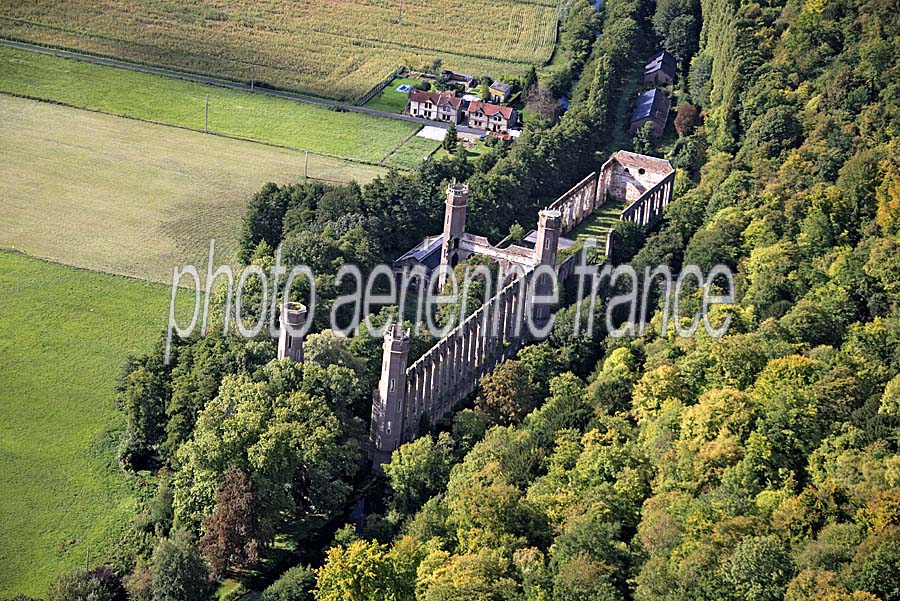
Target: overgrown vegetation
(761, 465)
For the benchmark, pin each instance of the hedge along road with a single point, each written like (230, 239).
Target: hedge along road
(110, 62)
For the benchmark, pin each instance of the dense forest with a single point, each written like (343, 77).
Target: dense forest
(760, 465)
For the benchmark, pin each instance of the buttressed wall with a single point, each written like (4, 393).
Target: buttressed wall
(449, 372)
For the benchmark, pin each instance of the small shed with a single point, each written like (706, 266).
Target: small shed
(500, 92)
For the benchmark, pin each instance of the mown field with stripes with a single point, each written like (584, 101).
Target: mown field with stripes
(330, 48)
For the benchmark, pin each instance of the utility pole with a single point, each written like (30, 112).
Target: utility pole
(251, 77)
(306, 166)
(206, 121)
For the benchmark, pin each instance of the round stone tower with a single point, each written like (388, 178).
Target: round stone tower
(290, 339)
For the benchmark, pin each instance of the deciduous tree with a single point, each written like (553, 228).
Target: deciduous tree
(233, 536)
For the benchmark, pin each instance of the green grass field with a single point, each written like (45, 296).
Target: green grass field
(472, 152)
(598, 223)
(411, 154)
(330, 48)
(66, 333)
(299, 125)
(128, 197)
(389, 99)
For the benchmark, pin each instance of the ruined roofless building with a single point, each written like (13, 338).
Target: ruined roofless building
(449, 372)
(431, 387)
(457, 245)
(290, 340)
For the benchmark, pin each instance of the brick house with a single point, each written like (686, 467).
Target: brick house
(437, 106)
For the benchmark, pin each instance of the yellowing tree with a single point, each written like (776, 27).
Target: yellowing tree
(888, 197)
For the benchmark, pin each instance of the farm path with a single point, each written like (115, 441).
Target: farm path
(111, 62)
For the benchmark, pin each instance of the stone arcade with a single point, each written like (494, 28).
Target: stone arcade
(449, 371)
(427, 390)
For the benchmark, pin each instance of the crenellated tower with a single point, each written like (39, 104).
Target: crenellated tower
(386, 433)
(454, 226)
(290, 339)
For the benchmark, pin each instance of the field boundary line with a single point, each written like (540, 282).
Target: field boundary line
(397, 147)
(423, 49)
(88, 54)
(198, 131)
(12, 250)
(223, 83)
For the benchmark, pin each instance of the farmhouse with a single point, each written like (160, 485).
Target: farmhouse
(491, 117)
(500, 91)
(652, 107)
(439, 106)
(446, 107)
(660, 71)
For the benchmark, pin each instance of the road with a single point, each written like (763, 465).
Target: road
(111, 62)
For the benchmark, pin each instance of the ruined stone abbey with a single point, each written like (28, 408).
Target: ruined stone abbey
(428, 389)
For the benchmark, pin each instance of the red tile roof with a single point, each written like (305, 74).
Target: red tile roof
(436, 98)
(490, 109)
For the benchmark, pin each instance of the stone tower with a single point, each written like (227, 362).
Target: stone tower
(454, 226)
(546, 247)
(390, 398)
(546, 243)
(290, 340)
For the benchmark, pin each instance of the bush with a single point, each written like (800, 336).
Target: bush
(294, 585)
(686, 119)
(79, 585)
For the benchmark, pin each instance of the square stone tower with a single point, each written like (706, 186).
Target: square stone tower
(390, 399)
(546, 247)
(454, 226)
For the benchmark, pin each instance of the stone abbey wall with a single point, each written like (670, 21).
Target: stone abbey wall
(449, 372)
(644, 183)
(579, 202)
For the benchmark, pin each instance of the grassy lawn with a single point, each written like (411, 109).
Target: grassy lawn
(411, 154)
(66, 333)
(322, 47)
(389, 99)
(129, 197)
(472, 152)
(299, 125)
(598, 223)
